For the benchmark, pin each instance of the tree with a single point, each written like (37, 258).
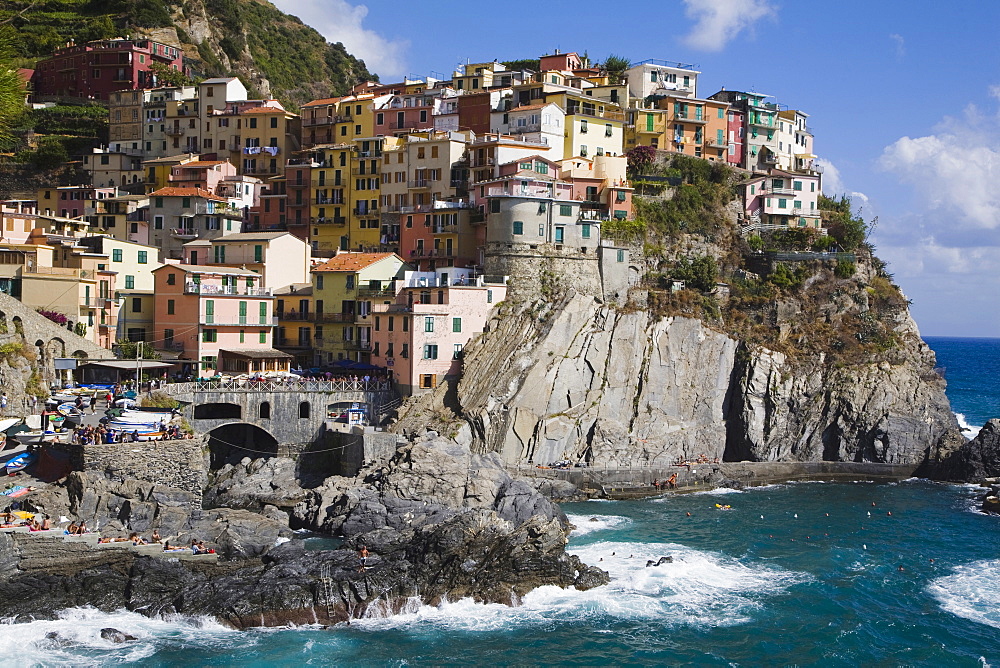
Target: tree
(701, 273)
(130, 350)
(168, 76)
(640, 159)
(614, 67)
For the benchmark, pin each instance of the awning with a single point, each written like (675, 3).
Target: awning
(256, 353)
(129, 365)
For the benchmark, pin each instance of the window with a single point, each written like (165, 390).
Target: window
(220, 254)
(319, 282)
(565, 209)
(210, 335)
(265, 410)
(621, 256)
(608, 130)
(391, 322)
(798, 204)
(456, 353)
(136, 304)
(782, 203)
(116, 255)
(489, 296)
(258, 253)
(494, 206)
(406, 323)
(262, 312)
(170, 307)
(168, 337)
(304, 409)
(157, 222)
(797, 185)
(430, 351)
(143, 257)
(350, 282)
(518, 227)
(585, 230)
(404, 350)
(583, 127)
(456, 324)
(208, 362)
(263, 336)
(429, 323)
(129, 282)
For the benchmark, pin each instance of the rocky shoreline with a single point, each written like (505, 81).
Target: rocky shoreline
(439, 522)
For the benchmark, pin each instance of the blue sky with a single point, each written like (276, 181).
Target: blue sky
(904, 99)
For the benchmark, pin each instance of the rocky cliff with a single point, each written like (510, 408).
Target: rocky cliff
(611, 387)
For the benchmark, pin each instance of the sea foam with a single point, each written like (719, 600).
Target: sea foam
(590, 523)
(972, 592)
(697, 589)
(79, 641)
(968, 430)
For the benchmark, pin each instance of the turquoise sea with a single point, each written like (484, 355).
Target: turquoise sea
(799, 574)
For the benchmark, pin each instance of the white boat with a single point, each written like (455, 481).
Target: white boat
(36, 437)
(143, 417)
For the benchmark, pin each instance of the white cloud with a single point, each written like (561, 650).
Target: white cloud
(719, 21)
(900, 45)
(340, 21)
(947, 247)
(833, 183)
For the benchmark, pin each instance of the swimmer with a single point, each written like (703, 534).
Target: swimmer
(901, 569)
(689, 514)
(889, 513)
(761, 517)
(796, 516)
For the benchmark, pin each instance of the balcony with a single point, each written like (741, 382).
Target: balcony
(192, 288)
(419, 184)
(375, 293)
(183, 233)
(335, 317)
(717, 143)
(296, 316)
(699, 120)
(339, 201)
(519, 192)
(330, 220)
(377, 153)
(769, 159)
(236, 321)
(445, 229)
(358, 211)
(423, 253)
(174, 131)
(778, 191)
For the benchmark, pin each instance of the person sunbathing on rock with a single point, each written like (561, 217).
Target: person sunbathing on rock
(155, 538)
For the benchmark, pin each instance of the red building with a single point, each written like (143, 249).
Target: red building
(97, 69)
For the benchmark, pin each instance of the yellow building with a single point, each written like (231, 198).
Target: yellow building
(158, 170)
(364, 222)
(476, 77)
(258, 138)
(330, 186)
(343, 290)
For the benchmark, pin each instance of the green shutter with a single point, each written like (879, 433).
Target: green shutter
(258, 253)
(649, 122)
(209, 310)
(263, 313)
(456, 324)
(243, 313)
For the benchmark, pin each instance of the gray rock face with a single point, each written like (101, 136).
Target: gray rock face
(620, 388)
(977, 459)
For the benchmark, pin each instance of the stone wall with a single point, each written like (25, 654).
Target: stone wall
(536, 270)
(182, 464)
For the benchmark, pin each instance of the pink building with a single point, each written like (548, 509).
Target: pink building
(405, 113)
(204, 174)
(421, 335)
(17, 219)
(219, 318)
(737, 146)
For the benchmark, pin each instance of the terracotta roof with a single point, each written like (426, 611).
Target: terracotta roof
(326, 100)
(171, 191)
(203, 163)
(352, 261)
(526, 107)
(265, 110)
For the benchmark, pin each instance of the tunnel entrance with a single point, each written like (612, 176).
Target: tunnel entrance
(232, 442)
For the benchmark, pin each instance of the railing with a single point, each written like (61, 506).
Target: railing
(238, 321)
(279, 385)
(330, 220)
(519, 192)
(209, 289)
(296, 316)
(370, 293)
(778, 191)
(174, 132)
(336, 317)
(432, 252)
(419, 183)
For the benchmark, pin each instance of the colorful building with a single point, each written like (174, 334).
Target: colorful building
(787, 199)
(202, 311)
(421, 333)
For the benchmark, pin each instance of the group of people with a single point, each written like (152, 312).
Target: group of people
(702, 459)
(10, 520)
(75, 529)
(89, 435)
(669, 483)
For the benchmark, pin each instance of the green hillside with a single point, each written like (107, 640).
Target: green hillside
(250, 39)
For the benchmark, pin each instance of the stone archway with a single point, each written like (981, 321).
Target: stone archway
(230, 443)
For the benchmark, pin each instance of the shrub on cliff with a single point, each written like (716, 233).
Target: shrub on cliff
(158, 400)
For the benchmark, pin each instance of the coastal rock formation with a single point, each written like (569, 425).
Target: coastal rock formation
(976, 460)
(439, 522)
(622, 387)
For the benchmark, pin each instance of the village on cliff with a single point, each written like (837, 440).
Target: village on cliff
(371, 234)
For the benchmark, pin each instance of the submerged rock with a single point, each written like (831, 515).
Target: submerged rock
(115, 636)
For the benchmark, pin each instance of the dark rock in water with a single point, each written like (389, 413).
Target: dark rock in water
(991, 504)
(662, 560)
(115, 636)
(977, 459)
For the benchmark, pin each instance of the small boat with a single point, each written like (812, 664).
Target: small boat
(141, 433)
(70, 412)
(38, 437)
(19, 463)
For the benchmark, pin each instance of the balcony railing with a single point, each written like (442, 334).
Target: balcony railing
(184, 233)
(224, 290)
(237, 321)
(335, 317)
(330, 220)
(419, 183)
(296, 316)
